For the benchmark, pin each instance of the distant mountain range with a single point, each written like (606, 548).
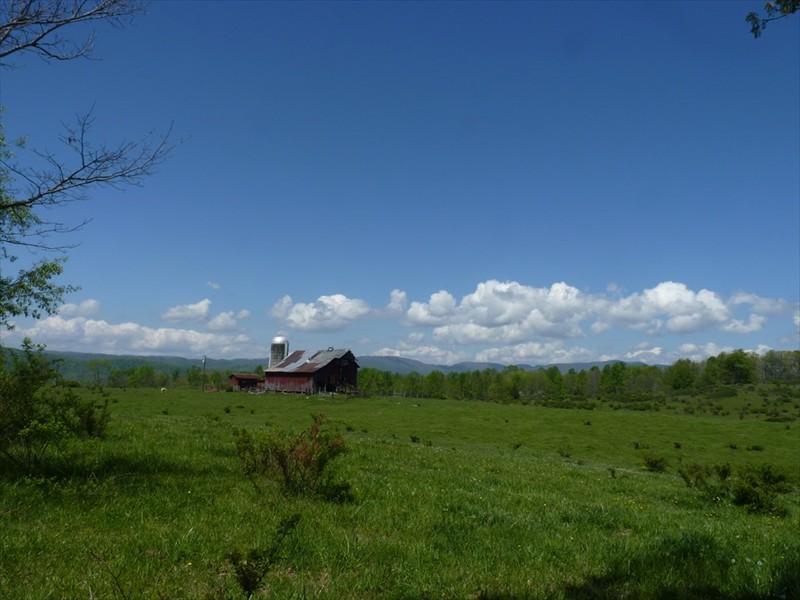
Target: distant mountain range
(76, 365)
(404, 366)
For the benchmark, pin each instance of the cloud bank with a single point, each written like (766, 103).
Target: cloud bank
(499, 321)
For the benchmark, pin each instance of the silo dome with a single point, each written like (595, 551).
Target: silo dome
(278, 350)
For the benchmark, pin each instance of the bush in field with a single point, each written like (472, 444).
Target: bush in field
(38, 413)
(655, 463)
(299, 463)
(757, 488)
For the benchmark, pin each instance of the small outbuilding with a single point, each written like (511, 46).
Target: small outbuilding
(331, 370)
(246, 382)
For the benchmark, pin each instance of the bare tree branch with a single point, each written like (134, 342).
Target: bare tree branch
(56, 181)
(49, 179)
(35, 25)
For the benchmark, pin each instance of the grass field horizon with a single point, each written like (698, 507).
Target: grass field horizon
(452, 499)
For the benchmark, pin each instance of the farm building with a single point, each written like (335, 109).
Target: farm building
(246, 382)
(331, 370)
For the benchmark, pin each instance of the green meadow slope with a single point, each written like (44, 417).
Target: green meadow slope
(451, 500)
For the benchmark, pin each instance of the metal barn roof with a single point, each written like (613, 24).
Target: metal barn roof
(305, 361)
(248, 376)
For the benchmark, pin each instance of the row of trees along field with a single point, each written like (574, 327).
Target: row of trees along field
(616, 381)
(103, 373)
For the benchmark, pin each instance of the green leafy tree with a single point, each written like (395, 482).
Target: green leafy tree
(555, 382)
(480, 382)
(577, 384)
(194, 376)
(118, 378)
(368, 381)
(712, 371)
(456, 385)
(781, 365)
(215, 380)
(681, 375)
(593, 379)
(612, 379)
(501, 388)
(739, 367)
(100, 369)
(142, 376)
(535, 385)
(31, 188)
(434, 384)
(412, 385)
(779, 9)
(644, 379)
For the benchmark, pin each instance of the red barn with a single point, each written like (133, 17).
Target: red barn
(310, 372)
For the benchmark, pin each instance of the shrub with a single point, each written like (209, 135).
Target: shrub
(655, 463)
(695, 475)
(564, 449)
(723, 392)
(755, 488)
(38, 413)
(298, 463)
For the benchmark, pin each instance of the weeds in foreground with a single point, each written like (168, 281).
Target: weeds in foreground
(298, 463)
(114, 573)
(250, 568)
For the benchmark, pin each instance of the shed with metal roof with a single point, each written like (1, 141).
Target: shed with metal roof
(331, 370)
(246, 381)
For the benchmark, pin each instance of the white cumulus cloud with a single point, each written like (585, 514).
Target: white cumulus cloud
(439, 307)
(671, 305)
(82, 334)
(227, 321)
(328, 313)
(507, 312)
(534, 353)
(188, 312)
(397, 302)
(87, 308)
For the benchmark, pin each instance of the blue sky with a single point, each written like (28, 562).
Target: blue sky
(511, 182)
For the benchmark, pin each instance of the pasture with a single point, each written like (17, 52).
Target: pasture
(451, 500)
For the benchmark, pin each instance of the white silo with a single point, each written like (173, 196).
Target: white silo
(278, 350)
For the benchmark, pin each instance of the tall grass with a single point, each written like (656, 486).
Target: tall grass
(451, 500)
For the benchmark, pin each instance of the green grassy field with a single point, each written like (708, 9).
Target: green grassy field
(451, 500)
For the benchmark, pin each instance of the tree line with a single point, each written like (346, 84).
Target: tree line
(513, 384)
(616, 381)
(103, 373)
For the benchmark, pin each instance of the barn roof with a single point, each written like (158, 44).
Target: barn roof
(305, 361)
(243, 376)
